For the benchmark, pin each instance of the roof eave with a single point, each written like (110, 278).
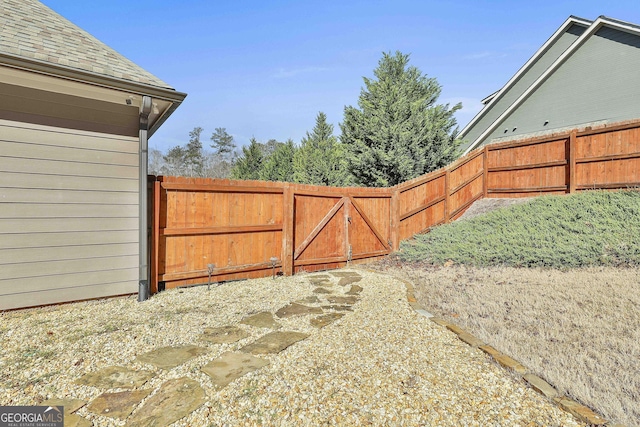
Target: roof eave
(494, 97)
(69, 73)
(163, 117)
(595, 26)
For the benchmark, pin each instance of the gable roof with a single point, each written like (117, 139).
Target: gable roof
(492, 101)
(596, 25)
(30, 30)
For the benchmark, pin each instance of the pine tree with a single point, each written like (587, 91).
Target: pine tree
(193, 155)
(399, 132)
(279, 165)
(220, 163)
(320, 158)
(249, 164)
(223, 143)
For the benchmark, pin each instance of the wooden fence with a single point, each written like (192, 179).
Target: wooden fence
(238, 226)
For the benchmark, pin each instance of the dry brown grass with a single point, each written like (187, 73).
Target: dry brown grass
(578, 329)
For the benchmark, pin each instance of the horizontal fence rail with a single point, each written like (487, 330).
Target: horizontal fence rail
(246, 229)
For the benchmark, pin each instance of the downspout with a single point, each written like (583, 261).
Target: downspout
(143, 285)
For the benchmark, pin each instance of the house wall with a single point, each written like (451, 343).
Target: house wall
(599, 82)
(525, 80)
(68, 214)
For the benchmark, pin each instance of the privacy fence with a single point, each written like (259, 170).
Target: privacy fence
(244, 229)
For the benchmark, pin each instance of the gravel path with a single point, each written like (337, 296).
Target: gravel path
(380, 364)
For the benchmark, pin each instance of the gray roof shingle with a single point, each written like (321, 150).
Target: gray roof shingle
(31, 30)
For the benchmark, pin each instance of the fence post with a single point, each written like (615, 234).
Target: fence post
(571, 162)
(155, 235)
(394, 210)
(288, 218)
(446, 196)
(485, 172)
(347, 226)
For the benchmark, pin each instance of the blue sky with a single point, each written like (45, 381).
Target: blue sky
(266, 68)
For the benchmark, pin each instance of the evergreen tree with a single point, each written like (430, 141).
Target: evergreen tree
(269, 147)
(193, 155)
(223, 143)
(279, 165)
(399, 132)
(320, 158)
(224, 155)
(249, 164)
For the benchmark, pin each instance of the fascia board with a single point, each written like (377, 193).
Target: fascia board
(486, 100)
(69, 73)
(595, 26)
(554, 37)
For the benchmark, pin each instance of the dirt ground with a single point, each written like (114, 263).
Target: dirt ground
(484, 206)
(577, 329)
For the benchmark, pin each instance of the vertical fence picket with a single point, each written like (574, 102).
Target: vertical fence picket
(545, 165)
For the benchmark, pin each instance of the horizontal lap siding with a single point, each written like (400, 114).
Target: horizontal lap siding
(68, 215)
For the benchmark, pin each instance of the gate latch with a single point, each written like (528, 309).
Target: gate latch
(350, 254)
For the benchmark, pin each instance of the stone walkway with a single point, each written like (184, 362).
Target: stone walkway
(179, 397)
(318, 358)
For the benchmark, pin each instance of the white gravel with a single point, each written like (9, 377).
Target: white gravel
(382, 364)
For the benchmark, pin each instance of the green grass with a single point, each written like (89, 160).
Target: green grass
(593, 228)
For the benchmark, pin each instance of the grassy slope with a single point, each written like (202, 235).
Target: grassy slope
(593, 228)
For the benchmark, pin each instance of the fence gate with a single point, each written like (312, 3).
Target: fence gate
(332, 230)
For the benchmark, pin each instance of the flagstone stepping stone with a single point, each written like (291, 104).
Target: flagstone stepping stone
(294, 309)
(261, 320)
(349, 280)
(337, 307)
(321, 291)
(73, 420)
(345, 274)
(230, 366)
(355, 290)
(223, 335)
(115, 377)
(274, 342)
(170, 357)
(175, 400)
(319, 277)
(70, 405)
(351, 299)
(309, 300)
(326, 319)
(326, 283)
(117, 405)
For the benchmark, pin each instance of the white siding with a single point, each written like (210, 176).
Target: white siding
(68, 215)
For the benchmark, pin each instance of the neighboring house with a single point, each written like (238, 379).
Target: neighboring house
(74, 121)
(586, 73)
